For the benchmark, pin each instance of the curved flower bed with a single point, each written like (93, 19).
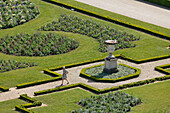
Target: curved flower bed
(112, 103)
(70, 23)
(37, 44)
(13, 65)
(15, 12)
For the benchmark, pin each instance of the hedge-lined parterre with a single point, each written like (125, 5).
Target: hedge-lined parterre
(13, 65)
(71, 23)
(111, 103)
(97, 71)
(37, 44)
(32, 103)
(15, 12)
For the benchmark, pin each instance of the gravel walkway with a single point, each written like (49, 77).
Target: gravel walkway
(147, 72)
(135, 9)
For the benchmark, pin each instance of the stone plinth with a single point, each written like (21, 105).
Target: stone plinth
(110, 60)
(110, 65)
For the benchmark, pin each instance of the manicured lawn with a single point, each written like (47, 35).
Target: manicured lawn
(148, 46)
(9, 106)
(155, 97)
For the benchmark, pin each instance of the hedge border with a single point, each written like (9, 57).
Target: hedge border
(161, 68)
(136, 74)
(4, 88)
(110, 19)
(57, 76)
(31, 103)
(100, 91)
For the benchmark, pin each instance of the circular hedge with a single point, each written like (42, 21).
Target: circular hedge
(16, 12)
(37, 44)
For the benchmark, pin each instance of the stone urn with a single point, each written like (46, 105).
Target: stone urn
(110, 60)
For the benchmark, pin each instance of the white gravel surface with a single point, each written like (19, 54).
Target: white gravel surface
(147, 72)
(134, 9)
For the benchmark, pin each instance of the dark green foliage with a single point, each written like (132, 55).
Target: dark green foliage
(15, 12)
(112, 103)
(70, 23)
(37, 44)
(13, 64)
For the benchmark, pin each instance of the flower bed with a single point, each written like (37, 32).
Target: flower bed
(37, 44)
(70, 23)
(15, 12)
(112, 103)
(98, 72)
(13, 65)
(99, 76)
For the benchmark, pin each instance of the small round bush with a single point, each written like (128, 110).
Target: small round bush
(37, 44)
(16, 12)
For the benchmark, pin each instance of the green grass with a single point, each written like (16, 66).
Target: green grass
(9, 106)
(148, 46)
(155, 97)
(118, 16)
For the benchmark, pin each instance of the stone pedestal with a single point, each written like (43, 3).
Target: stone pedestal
(110, 65)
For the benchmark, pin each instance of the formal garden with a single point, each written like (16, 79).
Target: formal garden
(39, 37)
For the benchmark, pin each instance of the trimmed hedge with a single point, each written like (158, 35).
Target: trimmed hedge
(162, 68)
(110, 19)
(58, 76)
(100, 91)
(32, 103)
(145, 60)
(165, 3)
(4, 88)
(136, 74)
(38, 82)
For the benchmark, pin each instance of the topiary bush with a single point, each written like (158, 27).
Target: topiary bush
(70, 23)
(16, 12)
(13, 65)
(112, 103)
(37, 44)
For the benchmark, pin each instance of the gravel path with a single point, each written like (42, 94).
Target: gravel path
(147, 72)
(135, 9)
